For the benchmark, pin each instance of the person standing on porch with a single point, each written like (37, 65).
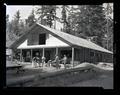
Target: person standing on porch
(36, 60)
(64, 61)
(57, 61)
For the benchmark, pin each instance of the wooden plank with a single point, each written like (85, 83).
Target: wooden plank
(31, 55)
(13, 67)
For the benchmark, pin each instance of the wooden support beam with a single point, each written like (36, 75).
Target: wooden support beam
(43, 52)
(84, 54)
(56, 50)
(31, 58)
(89, 55)
(20, 55)
(73, 56)
(12, 55)
(93, 56)
(31, 55)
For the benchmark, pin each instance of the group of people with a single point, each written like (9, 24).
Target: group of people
(56, 62)
(36, 61)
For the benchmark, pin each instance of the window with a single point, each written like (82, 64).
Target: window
(92, 54)
(42, 39)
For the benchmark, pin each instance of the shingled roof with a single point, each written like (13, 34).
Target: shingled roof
(71, 39)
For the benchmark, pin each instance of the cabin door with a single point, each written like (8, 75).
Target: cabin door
(99, 57)
(47, 55)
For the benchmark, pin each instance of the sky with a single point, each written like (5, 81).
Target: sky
(25, 11)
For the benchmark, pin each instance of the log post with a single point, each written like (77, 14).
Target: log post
(73, 56)
(20, 55)
(31, 55)
(43, 52)
(56, 50)
(12, 53)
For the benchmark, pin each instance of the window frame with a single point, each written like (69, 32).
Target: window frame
(43, 42)
(93, 54)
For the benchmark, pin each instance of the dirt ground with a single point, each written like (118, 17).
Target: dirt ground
(83, 79)
(104, 81)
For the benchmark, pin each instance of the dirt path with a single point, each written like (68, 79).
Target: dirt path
(104, 81)
(98, 77)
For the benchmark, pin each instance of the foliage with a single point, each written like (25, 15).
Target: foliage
(7, 19)
(15, 28)
(15, 23)
(31, 19)
(108, 28)
(64, 18)
(88, 21)
(47, 14)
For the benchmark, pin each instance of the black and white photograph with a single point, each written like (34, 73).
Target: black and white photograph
(59, 45)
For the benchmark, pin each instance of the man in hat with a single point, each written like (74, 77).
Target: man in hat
(36, 59)
(57, 61)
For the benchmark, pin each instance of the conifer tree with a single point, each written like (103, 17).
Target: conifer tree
(47, 14)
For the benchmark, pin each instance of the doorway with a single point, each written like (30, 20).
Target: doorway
(47, 55)
(68, 53)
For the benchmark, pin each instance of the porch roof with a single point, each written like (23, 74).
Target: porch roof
(40, 46)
